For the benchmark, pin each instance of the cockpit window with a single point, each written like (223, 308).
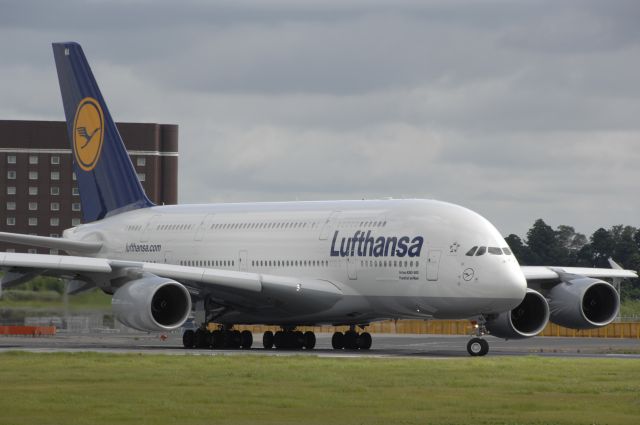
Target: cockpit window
(481, 251)
(506, 251)
(494, 250)
(472, 251)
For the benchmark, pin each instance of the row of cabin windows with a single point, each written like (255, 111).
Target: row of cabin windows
(170, 227)
(256, 225)
(141, 161)
(493, 250)
(33, 190)
(389, 263)
(289, 263)
(208, 263)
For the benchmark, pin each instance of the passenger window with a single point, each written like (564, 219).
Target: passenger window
(472, 251)
(481, 251)
(495, 250)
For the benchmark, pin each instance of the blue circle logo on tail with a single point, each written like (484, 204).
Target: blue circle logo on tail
(88, 133)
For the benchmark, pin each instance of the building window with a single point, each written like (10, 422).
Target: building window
(11, 221)
(55, 175)
(11, 206)
(11, 159)
(54, 221)
(75, 191)
(32, 251)
(141, 161)
(55, 160)
(33, 159)
(141, 177)
(33, 175)
(75, 221)
(55, 206)
(11, 175)
(75, 206)
(55, 190)
(73, 176)
(33, 190)
(33, 221)
(11, 190)
(54, 235)
(53, 252)
(33, 206)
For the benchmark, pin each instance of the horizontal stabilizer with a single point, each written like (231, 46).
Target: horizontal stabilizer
(52, 243)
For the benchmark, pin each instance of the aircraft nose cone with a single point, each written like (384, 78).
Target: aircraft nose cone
(515, 284)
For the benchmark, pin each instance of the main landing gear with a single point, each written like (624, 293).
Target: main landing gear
(478, 346)
(351, 340)
(225, 337)
(289, 339)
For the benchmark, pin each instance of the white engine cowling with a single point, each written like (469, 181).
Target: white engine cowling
(152, 303)
(583, 303)
(525, 321)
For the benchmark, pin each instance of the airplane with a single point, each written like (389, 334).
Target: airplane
(288, 264)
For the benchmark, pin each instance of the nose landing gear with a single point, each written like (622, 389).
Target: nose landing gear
(478, 346)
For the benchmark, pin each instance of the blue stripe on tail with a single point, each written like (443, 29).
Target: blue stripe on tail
(107, 180)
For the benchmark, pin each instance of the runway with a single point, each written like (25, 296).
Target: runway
(384, 346)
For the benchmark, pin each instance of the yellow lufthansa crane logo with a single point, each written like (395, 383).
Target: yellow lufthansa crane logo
(88, 133)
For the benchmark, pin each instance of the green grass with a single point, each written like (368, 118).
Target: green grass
(152, 389)
(26, 299)
(630, 308)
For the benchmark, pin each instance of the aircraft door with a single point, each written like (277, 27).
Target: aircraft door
(352, 270)
(329, 225)
(242, 260)
(144, 237)
(202, 228)
(433, 264)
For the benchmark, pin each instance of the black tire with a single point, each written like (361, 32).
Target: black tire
(236, 339)
(267, 340)
(298, 340)
(309, 340)
(364, 341)
(246, 339)
(477, 347)
(202, 338)
(337, 341)
(351, 340)
(217, 339)
(279, 340)
(188, 338)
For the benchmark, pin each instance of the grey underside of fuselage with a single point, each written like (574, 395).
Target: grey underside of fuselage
(356, 310)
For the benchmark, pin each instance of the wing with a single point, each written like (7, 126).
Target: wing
(549, 273)
(229, 287)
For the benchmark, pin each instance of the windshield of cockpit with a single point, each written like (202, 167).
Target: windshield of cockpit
(490, 250)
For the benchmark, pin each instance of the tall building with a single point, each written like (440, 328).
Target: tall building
(38, 191)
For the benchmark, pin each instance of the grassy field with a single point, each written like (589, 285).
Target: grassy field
(92, 300)
(147, 389)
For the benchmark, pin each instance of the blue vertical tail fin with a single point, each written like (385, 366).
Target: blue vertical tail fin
(106, 178)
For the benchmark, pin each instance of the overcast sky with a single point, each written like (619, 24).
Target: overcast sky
(516, 109)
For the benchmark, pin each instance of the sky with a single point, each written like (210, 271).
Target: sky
(518, 110)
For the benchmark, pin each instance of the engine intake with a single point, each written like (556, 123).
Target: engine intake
(152, 304)
(583, 303)
(525, 321)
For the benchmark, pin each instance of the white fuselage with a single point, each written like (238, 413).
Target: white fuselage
(390, 258)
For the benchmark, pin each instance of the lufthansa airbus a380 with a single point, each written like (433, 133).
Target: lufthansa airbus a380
(288, 263)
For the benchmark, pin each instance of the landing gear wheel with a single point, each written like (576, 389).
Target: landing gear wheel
(188, 338)
(246, 339)
(477, 347)
(217, 339)
(279, 340)
(337, 341)
(351, 340)
(309, 340)
(202, 338)
(364, 341)
(267, 340)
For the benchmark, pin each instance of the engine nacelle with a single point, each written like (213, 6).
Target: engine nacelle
(583, 303)
(525, 321)
(152, 303)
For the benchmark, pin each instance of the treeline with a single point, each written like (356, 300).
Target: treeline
(563, 246)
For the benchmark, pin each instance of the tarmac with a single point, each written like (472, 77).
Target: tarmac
(384, 346)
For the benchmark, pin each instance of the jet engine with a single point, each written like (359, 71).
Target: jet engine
(526, 320)
(152, 303)
(583, 303)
